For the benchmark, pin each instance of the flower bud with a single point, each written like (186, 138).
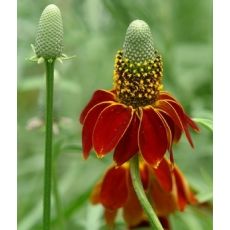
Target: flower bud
(49, 39)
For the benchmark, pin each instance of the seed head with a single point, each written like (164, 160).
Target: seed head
(138, 44)
(49, 39)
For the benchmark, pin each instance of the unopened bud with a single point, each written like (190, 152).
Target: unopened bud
(49, 39)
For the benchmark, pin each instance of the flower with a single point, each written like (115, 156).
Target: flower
(165, 186)
(136, 115)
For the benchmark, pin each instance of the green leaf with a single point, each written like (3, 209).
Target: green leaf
(205, 197)
(207, 123)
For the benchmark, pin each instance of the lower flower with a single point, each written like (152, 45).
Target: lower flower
(166, 188)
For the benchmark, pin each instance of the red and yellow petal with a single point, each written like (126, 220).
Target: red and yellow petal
(132, 211)
(145, 175)
(110, 216)
(164, 202)
(95, 195)
(175, 130)
(166, 96)
(185, 195)
(171, 112)
(192, 124)
(167, 129)
(128, 145)
(88, 127)
(98, 96)
(114, 189)
(183, 119)
(153, 140)
(163, 174)
(110, 128)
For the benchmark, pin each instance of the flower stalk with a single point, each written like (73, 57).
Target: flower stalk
(137, 185)
(48, 48)
(48, 144)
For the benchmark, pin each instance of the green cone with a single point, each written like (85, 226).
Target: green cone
(138, 44)
(49, 39)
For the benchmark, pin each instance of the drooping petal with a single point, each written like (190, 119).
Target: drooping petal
(183, 119)
(110, 216)
(192, 124)
(110, 128)
(167, 129)
(128, 145)
(114, 189)
(95, 195)
(98, 96)
(163, 174)
(132, 211)
(165, 222)
(153, 141)
(164, 202)
(175, 130)
(171, 112)
(145, 175)
(185, 195)
(88, 126)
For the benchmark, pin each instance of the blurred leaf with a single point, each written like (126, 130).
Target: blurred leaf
(207, 123)
(191, 218)
(31, 83)
(72, 148)
(93, 217)
(205, 197)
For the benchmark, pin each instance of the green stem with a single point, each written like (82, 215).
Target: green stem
(48, 144)
(59, 210)
(60, 215)
(137, 184)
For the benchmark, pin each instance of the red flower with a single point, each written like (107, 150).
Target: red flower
(136, 125)
(166, 187)
(136, 115)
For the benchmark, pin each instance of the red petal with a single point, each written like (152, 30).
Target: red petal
(95, 195)
(110, 216)
(145, 175)
(128, 145)
(185, 196)
(132, 211)
(192, 124)
(110, 127)
(153, 141)
(98, 96)
(88, 126)
(163, 175)
(171, 112)
(166, 96)
(114, 190)
(183, 119)
(164, 203)
(168, 130)
(175, 130)
(165, 222)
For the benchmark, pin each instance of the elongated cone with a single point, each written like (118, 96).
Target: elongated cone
(138, 44)
(49, 39)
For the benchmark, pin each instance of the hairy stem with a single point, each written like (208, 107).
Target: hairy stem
(48, 144)
(137, 184)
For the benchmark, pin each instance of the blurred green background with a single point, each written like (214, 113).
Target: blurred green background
(93, 31)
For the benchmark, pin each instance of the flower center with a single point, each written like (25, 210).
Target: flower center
(137, 84)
